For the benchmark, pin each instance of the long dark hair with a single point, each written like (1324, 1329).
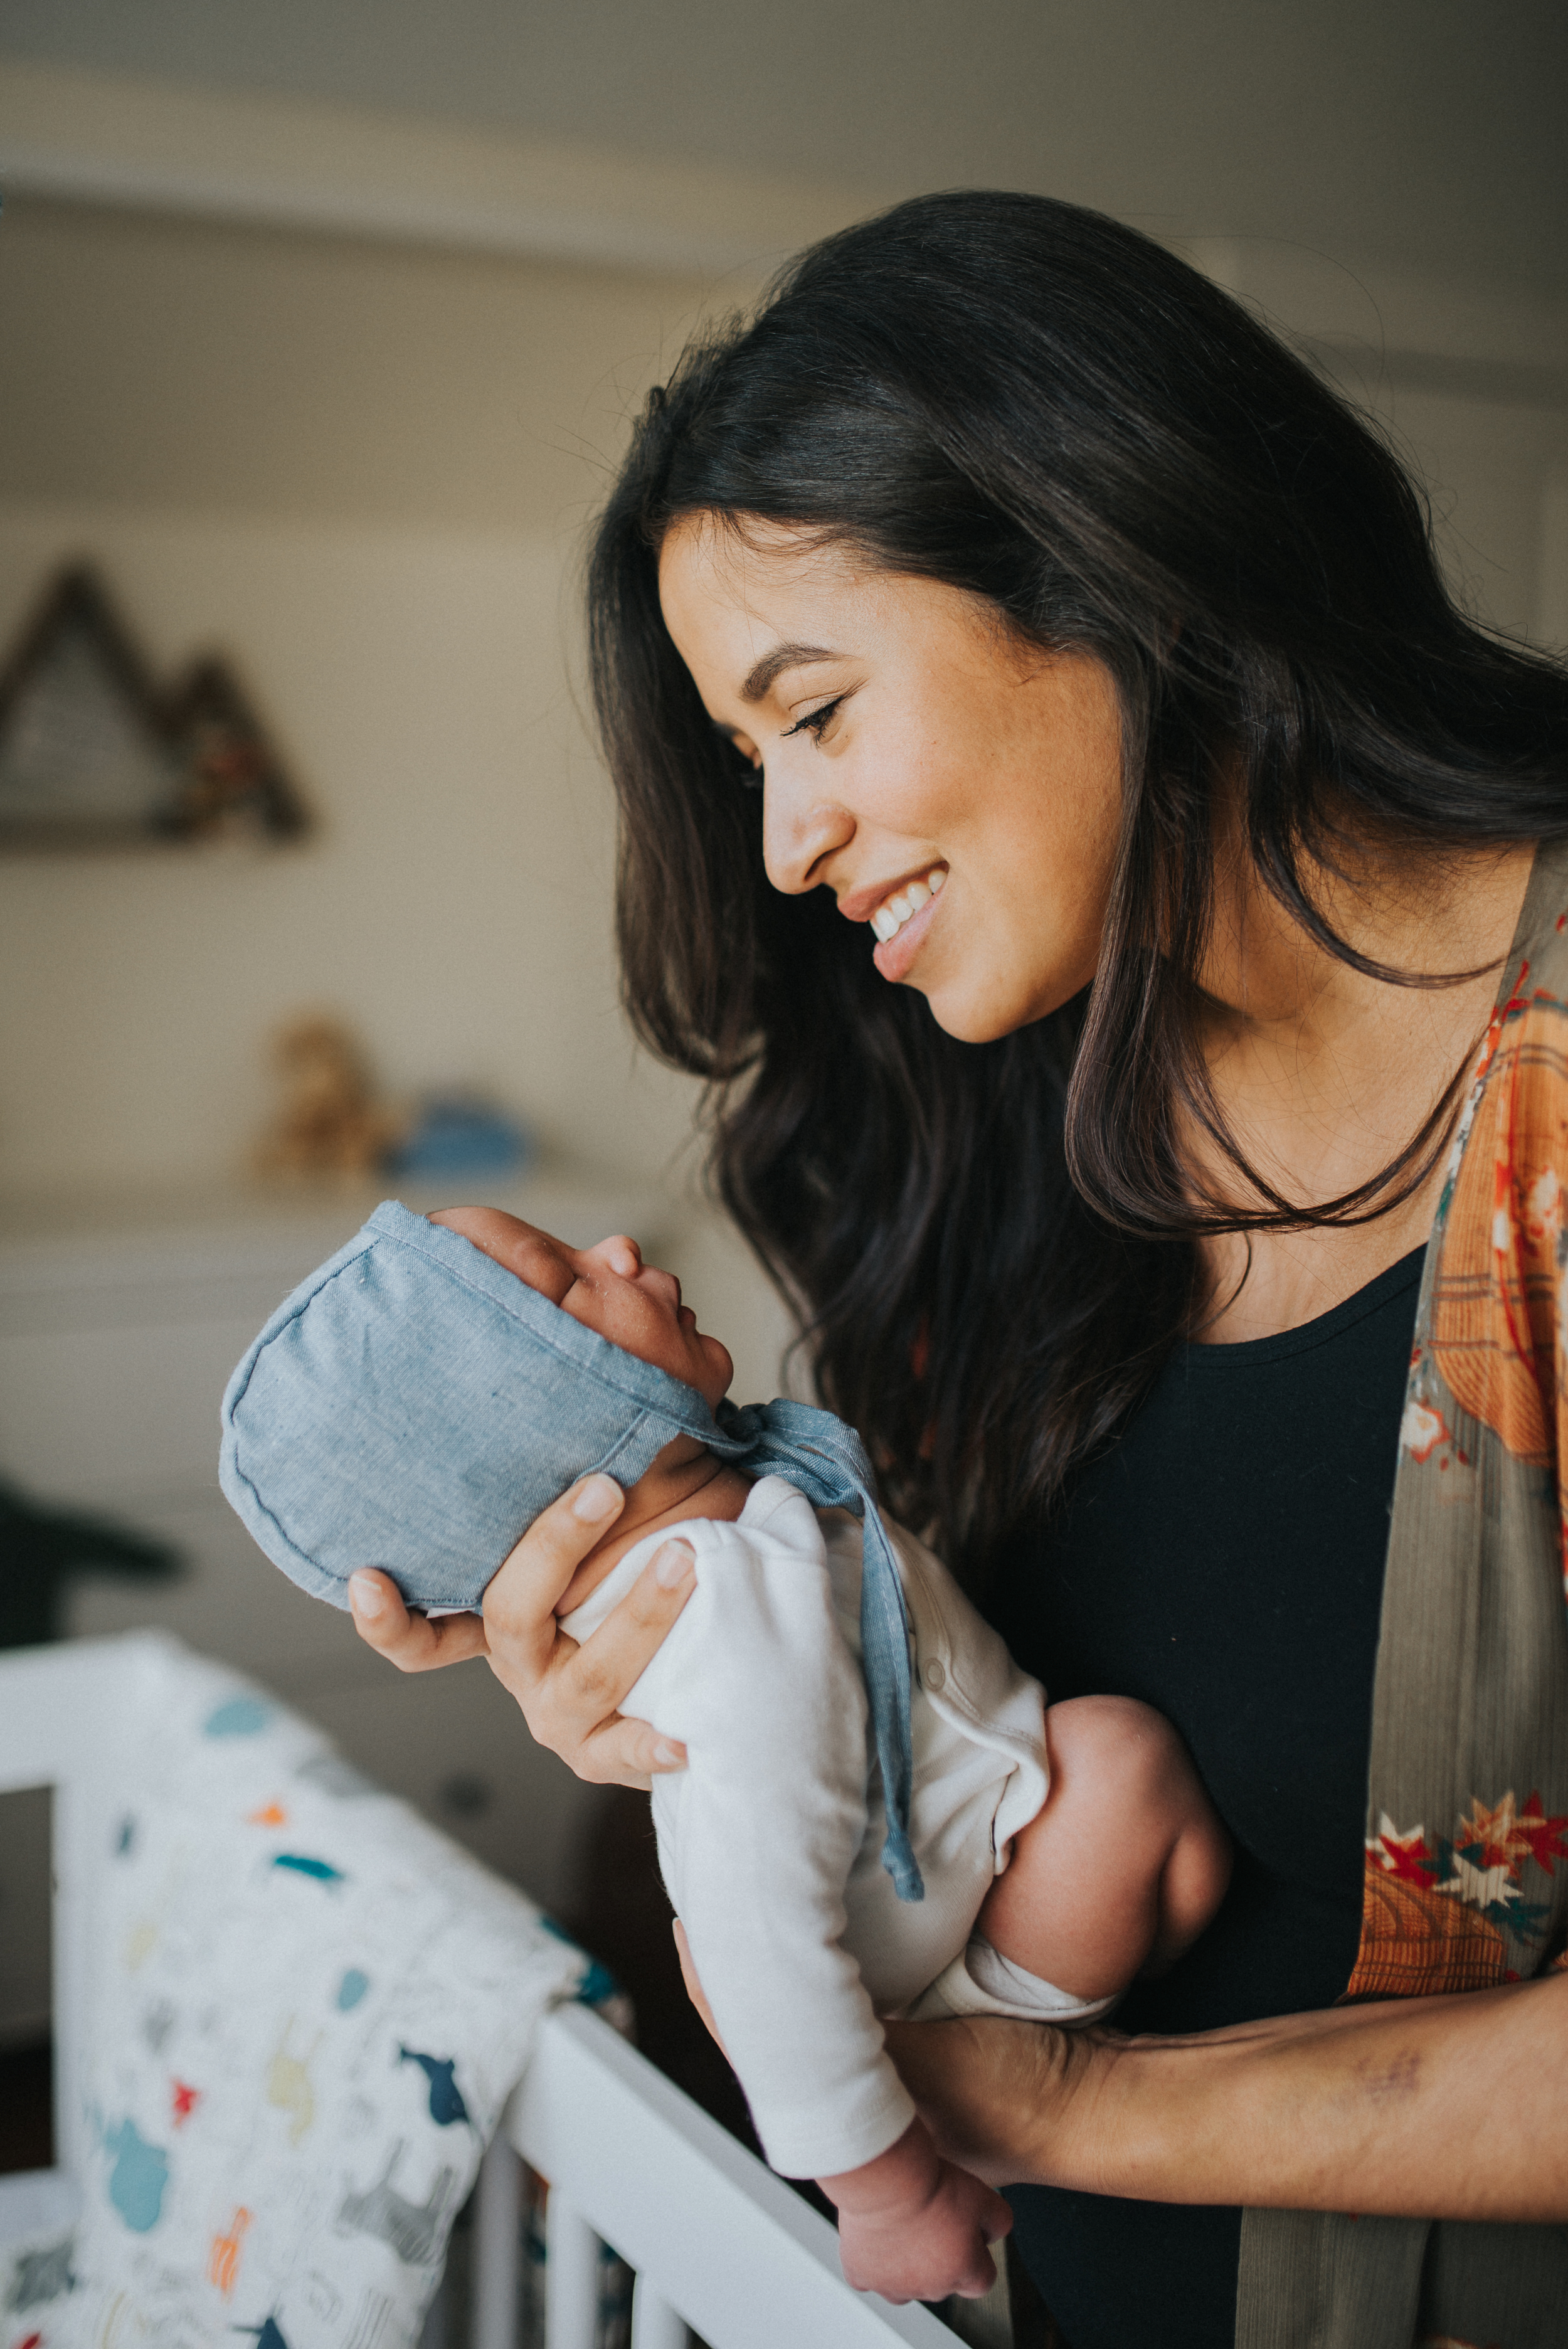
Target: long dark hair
(992, 1246)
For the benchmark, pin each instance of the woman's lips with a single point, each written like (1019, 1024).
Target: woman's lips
(895, 956)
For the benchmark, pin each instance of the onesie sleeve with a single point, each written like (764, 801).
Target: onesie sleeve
(761, 1831)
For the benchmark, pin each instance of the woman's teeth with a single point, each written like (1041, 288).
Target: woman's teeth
(904, 903)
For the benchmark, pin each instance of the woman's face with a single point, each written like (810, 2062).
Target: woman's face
(958, 790)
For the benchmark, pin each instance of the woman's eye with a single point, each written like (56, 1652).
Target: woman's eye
(815, 721)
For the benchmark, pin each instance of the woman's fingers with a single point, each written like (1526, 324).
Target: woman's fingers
(602, 1673)
(570, 1695)
(412, 1642)
(571, 1704)
(628, 1754)
(524, 1593)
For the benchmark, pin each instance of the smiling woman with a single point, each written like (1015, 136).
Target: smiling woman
(1093, 653)
(1136, 1012)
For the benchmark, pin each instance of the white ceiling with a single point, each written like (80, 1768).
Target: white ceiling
(1429, 132)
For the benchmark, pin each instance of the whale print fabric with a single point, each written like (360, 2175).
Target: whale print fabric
(309, 2010)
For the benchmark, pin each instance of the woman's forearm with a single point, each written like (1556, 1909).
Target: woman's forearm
(1453, 2108)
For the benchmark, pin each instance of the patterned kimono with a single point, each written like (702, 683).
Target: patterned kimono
(1467, 1827)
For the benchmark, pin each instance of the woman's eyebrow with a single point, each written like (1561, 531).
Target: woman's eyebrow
(773, 664)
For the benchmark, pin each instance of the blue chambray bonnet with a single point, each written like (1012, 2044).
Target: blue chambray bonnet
(414, 1406)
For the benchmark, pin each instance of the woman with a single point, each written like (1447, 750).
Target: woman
(1086, 646)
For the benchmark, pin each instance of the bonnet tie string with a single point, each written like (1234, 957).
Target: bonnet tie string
(827, 1462)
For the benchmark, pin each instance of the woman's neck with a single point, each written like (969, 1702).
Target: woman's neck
(685, 1481)
(1324, 1074)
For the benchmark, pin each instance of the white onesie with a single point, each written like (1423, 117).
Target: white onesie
(771, 1839)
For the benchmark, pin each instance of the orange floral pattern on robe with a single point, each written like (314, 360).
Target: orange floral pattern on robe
(1494, 1307)
(1455, 1914)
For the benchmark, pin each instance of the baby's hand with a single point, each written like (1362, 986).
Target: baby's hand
(914, 2227)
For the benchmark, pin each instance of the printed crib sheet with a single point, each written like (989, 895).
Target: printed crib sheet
(309, 2008)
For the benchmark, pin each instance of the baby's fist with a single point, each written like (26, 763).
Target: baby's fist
(926, 2250)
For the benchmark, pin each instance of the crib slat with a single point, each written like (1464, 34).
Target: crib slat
(498, 2216)
(571, 2277)
(655, 2323)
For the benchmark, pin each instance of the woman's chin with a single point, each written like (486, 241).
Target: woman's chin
(981, 1008)
(970, 1018)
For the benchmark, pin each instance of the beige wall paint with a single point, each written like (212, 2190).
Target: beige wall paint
(454, 904)
(1431, 134)
(363, 474)
(175, 363)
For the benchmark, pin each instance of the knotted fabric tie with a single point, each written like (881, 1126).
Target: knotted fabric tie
(827, 1462)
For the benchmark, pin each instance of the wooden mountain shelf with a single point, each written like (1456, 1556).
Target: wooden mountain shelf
(95, 753)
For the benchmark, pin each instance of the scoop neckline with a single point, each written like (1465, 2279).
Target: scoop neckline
(1377, 1292)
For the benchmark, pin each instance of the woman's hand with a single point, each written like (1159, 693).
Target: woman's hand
(994, 2093)
(568, 1694)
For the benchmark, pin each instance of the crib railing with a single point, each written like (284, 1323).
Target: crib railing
(718, 2243)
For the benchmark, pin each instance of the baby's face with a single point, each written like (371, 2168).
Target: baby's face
(608, 1288)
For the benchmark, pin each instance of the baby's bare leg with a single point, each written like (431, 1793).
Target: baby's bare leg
(1125, 1865)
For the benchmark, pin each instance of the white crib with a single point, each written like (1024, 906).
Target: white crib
(717, 2243)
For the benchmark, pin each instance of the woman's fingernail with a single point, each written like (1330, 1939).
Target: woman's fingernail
(673, 1564)
(668, 1757)
(596, 1497)
(365, 1594)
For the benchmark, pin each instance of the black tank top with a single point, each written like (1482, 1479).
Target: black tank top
(1223, 1561)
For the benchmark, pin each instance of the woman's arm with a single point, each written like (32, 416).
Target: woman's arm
(1439, 2108)
(568, 1694)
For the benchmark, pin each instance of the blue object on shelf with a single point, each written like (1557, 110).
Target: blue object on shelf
(457, 1135)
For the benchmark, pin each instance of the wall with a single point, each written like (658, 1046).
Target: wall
(364, 472)
(1428, 130)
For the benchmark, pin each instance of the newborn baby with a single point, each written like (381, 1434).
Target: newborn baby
(879, 1815)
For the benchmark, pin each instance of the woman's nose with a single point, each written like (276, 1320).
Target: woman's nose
(798, 837)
